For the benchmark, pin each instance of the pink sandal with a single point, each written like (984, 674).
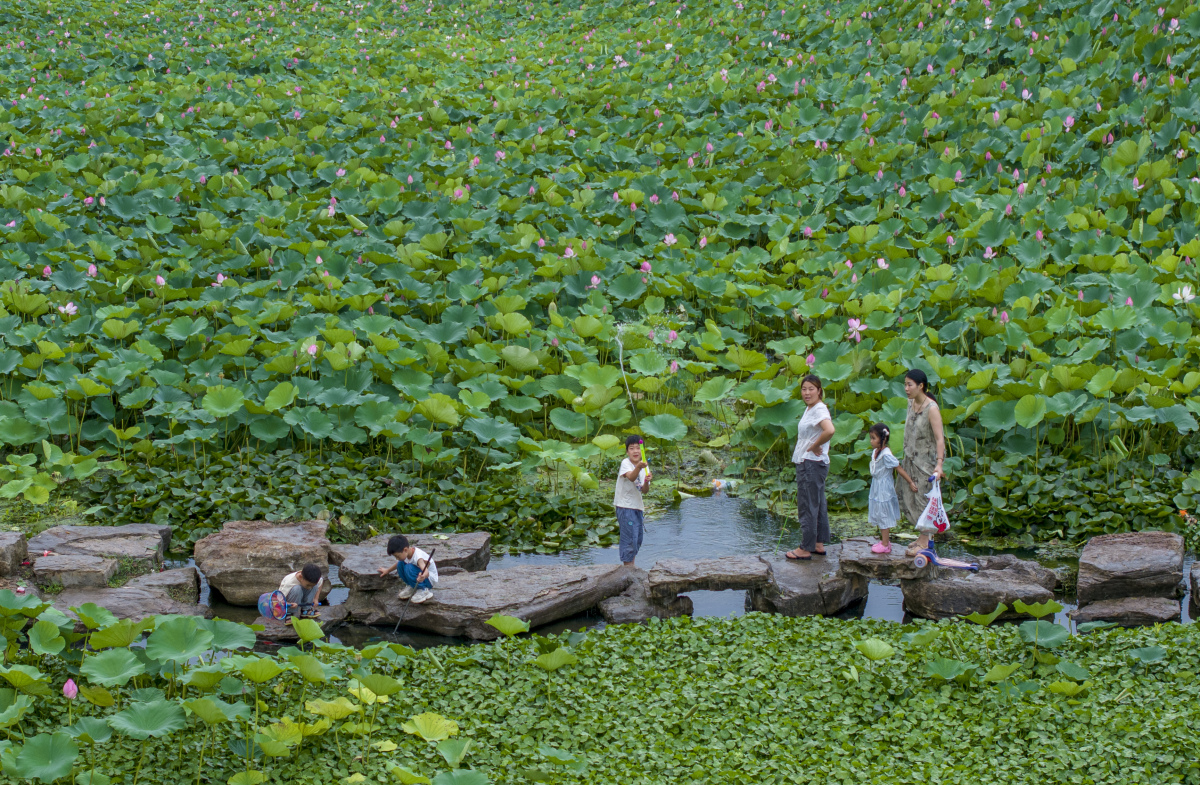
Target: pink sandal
(879, 547)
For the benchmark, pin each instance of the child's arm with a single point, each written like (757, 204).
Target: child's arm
(386, 570)
(633, 473)
(907, 479)
(423, 564)
(646, 485)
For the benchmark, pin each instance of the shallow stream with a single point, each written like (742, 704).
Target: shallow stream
(696, 528)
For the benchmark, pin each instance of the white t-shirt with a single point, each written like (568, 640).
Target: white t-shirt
(629, 494)
(420, 555)
(292, 581)
(807, 432)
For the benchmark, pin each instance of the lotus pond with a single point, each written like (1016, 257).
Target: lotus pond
(755, 699)
(471, 242)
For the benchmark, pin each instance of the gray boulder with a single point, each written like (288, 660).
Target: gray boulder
(462, 604)
(143, 543)
(1130, 564)
(249, 558)
(634, 605)
(12, 552)
(856, 558)
(671, 577)
(1001, 579)
(141, 598)
(358, 565)
(808, 588)
(1130, 611)
(74, 572)
(283, 632)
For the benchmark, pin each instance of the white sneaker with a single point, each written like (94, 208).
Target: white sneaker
(422, 595)
(407, 592)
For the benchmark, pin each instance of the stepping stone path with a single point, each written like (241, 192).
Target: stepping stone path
(249, 558)
(808, 588)
(1133, 564)
(13, 551)
(856, 558)
(74, 572)
(1001, 579)
(142, 543)
(672, 577)
(462, 604)
(358, 565)
(634, 604)
(1130, 611)
(169, 592)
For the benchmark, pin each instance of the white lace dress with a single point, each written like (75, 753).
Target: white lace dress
(883, 507)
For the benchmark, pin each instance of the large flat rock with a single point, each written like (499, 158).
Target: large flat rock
(671, 577)
(1001, 579)
(856, 559)
(139, 599)
(248, 558)
(182, 583)
(1130, 611)
(634, 605)
(143, 543)
(12, 552)
(463, 603)
(808, 588)
(278, 631)
(358, 565)
(74, 572)
(1131, 564)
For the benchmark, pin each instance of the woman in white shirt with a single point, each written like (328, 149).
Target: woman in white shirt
(812, 467)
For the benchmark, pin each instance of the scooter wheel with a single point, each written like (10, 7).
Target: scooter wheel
(920, 561)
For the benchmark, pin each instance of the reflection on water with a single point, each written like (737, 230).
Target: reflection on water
(698, 528)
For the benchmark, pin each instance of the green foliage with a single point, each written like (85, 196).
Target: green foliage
(436, 265)
(358, 490)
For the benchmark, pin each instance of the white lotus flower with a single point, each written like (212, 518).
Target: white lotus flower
(1184, 295)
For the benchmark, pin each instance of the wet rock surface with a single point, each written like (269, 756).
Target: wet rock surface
(249, 558)
(808, 588)
(74, 572)
(1001, 579)
(856, 558)
(142, 543)
(1131, 564)
(358, 565)
(462, 604)
(634, 605)
(141, 598)
(671, 577)
(13, 551)
(1130, 611)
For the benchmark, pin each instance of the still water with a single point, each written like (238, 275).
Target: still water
(697, 528)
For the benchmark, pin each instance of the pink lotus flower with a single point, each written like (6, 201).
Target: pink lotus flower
(569, 253)
(671, 336)
(807, 232)
(341, 172)
(449, 146)
(855, 329)
(541, 243)
(674, 366)
(703, 241)
(595, 282)
(1079, 296)
(46, 271)
(650, 335)
(70, 691)
(950, 240)
(91, 271)
(554, 342)
(903, 193)
(312, 350)
(1004, 317)
(68, 310)
(882, 263)
(646, 265)
(88, 200)
(669, 240)
(1129, 301)
(810, 360)
(987, 253)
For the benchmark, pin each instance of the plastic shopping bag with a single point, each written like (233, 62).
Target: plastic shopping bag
(934, 518)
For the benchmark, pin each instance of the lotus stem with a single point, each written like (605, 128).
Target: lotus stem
(141, 759)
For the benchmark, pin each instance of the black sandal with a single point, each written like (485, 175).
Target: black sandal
(788, 555)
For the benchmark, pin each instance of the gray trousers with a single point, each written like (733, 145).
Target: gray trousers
(305, 598)
(810, 503)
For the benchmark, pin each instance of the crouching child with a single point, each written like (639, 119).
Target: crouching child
(303, 590)
(415, 569)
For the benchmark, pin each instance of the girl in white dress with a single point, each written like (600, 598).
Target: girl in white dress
(883, 508)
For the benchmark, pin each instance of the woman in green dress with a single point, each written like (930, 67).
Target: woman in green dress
(924, 452)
